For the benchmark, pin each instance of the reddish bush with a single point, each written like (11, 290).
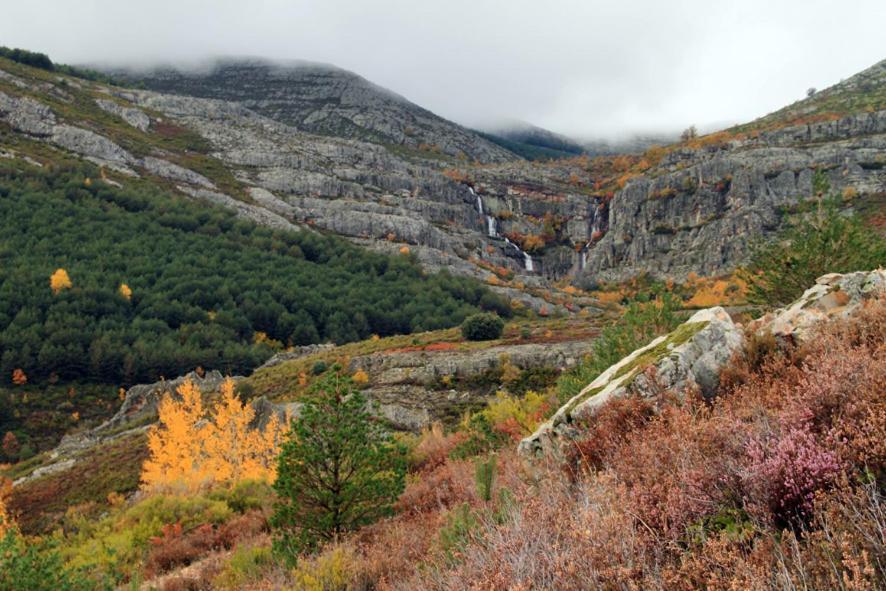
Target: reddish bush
(177, 548)
(786, 473)
(606, 433)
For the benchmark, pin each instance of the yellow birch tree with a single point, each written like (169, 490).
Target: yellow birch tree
(223, 450)
(59, 281)
(175, 443)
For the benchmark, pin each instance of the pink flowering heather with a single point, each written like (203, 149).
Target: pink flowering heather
(786, 472)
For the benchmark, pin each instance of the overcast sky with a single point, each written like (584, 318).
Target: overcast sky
(587, 68)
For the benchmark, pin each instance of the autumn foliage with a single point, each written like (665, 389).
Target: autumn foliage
(60, 281)
(186, 451)
(775, 485)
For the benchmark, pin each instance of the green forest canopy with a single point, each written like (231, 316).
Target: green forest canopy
(204, 283)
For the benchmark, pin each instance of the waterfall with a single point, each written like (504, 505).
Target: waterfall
(479, 200)
(528, 263)
(491, 229)
(492, 232)
(583, 259)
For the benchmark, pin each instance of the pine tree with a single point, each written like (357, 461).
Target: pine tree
(338, 470)
(823, 241)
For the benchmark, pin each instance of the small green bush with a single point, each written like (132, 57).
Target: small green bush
(482, 327)
(484, 477)
(244, 566)
(26, 566)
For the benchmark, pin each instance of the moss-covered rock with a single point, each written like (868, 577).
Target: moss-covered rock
(689, 357)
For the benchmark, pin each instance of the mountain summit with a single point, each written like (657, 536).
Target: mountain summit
(322, 99)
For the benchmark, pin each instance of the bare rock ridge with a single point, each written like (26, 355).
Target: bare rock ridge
(693, 355)
(325, 100)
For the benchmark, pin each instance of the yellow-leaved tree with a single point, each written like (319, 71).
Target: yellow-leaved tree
(125, 291)
(233, 451)
(59, 281)
(186, 451)
(174, 444)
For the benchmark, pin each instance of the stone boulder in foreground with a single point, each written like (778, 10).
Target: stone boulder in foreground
(693, 355)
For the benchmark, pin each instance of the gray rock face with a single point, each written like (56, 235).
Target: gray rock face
(690, 357)
(135, 117)
(325, 100)
(704, 209)
(410, 389)
(174, 172)
(141, 401)
(27, 115)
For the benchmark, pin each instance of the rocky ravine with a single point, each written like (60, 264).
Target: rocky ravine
(693, 355)
(295, 150)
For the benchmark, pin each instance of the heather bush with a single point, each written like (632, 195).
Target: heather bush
(786, 473)
(776, 484)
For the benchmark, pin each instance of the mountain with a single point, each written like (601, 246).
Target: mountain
(700, 205)
(321, 99)
(532, 142)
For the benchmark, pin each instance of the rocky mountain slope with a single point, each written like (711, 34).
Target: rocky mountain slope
(702, 206)
(310, 155)
(322, 99)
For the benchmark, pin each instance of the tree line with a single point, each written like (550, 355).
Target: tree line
(156, 285)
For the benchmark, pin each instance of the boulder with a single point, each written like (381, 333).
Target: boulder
(690, 357)
(833, 296)
(133, 116)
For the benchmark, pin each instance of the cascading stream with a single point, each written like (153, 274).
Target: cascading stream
(492, 232)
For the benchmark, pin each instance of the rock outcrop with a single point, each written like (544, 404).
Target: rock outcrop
(416, 388)
(135, 117)
(700, 211)
(693, 355)
(688, 358)
(833, 296)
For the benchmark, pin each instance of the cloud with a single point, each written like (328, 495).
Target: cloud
(585, 68)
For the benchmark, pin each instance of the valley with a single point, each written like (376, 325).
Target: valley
(198, 262)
